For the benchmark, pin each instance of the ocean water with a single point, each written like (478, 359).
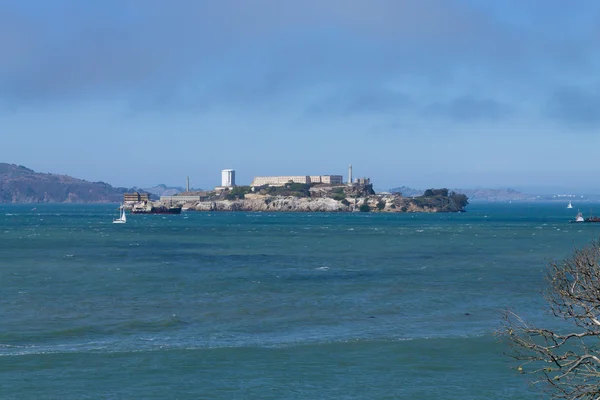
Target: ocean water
(270, 305)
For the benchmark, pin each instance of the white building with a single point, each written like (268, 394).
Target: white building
(228, 178)
(303, 179)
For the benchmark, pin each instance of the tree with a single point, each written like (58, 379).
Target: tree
(566, 361)
(237, 192)
(436, 192)
(364, 207)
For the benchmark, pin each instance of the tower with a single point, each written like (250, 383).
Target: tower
(187, 184)
(228, 178)
(350, 174)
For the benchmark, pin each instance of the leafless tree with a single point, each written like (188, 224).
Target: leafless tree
(566, 362)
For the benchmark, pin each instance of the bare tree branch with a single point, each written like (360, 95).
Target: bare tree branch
(566, 363)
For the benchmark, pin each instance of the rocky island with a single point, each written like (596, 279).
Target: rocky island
(19, 184)
(295, 197)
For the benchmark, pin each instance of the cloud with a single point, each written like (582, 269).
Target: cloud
(196, 54)
(469, 108)
(394, 105)
(356, 103)
(67, 49)
(575, 107)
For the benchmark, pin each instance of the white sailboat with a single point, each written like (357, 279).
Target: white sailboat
(570, 205)
(122, 218)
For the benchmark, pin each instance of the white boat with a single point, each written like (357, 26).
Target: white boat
(579, 217)
(570, 205)
(122, 218)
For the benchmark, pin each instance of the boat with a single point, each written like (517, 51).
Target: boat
(579, 218)
(149, 208)
(570, 205)
(122, 218)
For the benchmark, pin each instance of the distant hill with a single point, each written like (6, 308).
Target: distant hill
(164, 190)
(475, 194)
(496, 195)
(407, 192)
(19, 184)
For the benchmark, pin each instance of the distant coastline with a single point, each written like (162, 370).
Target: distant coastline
(19, 184)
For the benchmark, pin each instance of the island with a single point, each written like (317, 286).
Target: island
(319, 193)
(299, 197)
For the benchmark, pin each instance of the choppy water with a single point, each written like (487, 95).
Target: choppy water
(270, 306)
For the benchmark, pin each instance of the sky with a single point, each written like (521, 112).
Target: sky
(418, 93)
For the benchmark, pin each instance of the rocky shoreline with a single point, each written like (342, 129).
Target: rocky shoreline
(374, 203)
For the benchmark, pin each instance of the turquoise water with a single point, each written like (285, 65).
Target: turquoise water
(270, 306)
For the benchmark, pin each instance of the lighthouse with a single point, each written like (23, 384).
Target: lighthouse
(350, 174)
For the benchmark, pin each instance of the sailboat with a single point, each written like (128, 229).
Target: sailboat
(570, 205)
(122, 218)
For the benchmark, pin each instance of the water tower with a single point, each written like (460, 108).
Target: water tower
(228, 178)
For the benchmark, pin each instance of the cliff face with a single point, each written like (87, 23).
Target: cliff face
(380, 203)
(273, 204)
(22, 185)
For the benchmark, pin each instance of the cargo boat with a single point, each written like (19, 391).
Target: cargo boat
(580, 218)
(150, 209)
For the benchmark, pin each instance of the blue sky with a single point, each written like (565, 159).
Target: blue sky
(422, 93)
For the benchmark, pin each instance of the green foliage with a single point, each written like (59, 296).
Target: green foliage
(297, 187)
(338, 196)
(345, 202)
(289, 189)
(364, 207)
(237, 192)
(436, 192)
(380, 205)
(441, 200)
(460, 200)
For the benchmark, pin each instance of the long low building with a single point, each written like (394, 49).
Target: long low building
(329, 179)
(135, 197)
(303, 179)
(181, 199)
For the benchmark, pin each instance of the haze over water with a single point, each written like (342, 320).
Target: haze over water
(266, 305)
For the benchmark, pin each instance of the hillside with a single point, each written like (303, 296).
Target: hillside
(23, 185)
(475, 194)
(164, 190)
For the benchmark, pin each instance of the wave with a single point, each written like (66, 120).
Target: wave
(147, 344)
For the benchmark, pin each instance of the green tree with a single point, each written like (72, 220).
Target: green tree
(338, 194)
(565, 361)
(364, 207)
(436, 192)
(237, 192)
